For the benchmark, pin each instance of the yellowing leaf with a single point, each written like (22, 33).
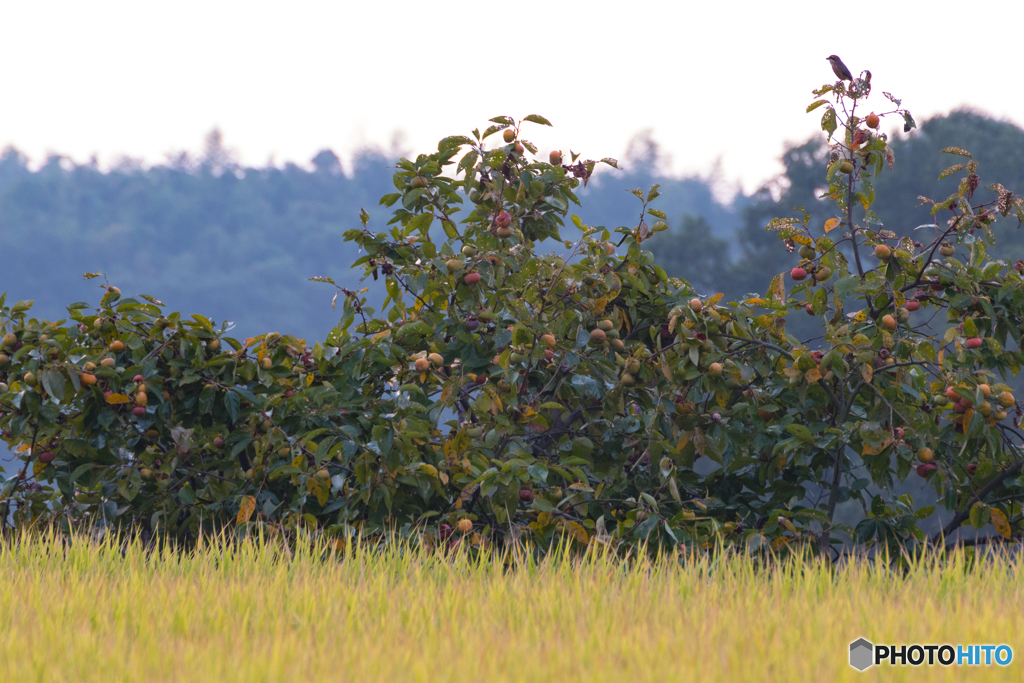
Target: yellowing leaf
(812, 376)
(309, 380)
(456, 446)
(802, 239)
(779, 542)
(698, 440)
(713, 299)
(866, 372)
(495, 406)
(788, 524)
(756, 301)
(684, 439)
(831, 224)
(872, 450)
(115, 399)
(381, 335)
(467, 493)
(578, 532)
(1000, 522)
(624, 318)
(319, 488)
(673, 319)
(600, 304)
(777, 288)
(246, 509)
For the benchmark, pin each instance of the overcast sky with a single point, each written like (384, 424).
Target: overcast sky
(282, 80)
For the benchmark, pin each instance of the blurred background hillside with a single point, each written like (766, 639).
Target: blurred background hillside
(207, 235)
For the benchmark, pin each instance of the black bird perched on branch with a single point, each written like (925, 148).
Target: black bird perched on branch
(842, 73)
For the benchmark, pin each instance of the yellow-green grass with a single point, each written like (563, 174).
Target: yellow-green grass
(88, 611)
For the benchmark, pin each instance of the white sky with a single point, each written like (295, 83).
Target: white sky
(712, 80)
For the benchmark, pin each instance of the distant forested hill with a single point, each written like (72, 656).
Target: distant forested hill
(207, 235)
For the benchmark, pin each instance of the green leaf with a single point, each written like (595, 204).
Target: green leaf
(828, 122)
(75, 447)
(951, 170)
(536, 118)
(247, 394)
(53, 382)
(420, 223)
(925, 512)
(231, 404)
(453, 142)
(846, 286)
(243, 442)
(980, 515)
(908, 122)
(866, 530)
(542, 504)
(951, 150)
(814, 105)
(800, 432)
(187, 495)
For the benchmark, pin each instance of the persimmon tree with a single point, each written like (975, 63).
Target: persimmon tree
(529, 376)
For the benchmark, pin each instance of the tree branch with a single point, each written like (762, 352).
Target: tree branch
(959, 517)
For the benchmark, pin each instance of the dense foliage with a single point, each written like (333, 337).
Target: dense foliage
(502, 393)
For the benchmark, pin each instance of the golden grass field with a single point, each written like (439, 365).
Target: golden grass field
(91, 611)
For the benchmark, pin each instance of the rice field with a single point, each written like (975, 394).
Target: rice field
(94, 611)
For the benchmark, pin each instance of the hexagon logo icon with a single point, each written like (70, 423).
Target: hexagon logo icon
(861, 652)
